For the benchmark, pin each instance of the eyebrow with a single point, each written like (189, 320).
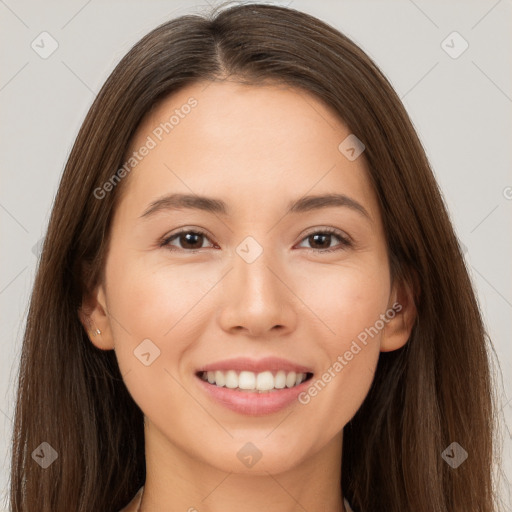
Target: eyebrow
(219, 207)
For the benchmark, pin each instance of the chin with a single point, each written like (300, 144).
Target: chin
(257, 454)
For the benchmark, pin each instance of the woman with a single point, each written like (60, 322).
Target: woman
(253, 369)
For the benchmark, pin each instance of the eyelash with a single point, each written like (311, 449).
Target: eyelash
(344, 241)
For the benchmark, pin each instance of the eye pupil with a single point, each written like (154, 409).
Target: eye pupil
(193, 235)
(315, 236)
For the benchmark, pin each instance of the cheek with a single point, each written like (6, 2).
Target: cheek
(345, 300)
(153, 311)
(349, 305)
(153, 325)
(334, 397)
(154, 301)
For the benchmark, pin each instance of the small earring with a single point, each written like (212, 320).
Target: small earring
(95, 332)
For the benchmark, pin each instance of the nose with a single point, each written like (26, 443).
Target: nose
(257, 299)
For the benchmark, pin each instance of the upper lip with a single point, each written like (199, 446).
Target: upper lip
(255, 365)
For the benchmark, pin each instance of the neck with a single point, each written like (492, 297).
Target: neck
(177, 481)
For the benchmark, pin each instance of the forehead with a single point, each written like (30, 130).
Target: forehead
(255, 144)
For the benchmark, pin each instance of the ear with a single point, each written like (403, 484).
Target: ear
(93, 315)
(397, 329)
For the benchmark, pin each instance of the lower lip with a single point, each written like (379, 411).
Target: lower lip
(254, 403)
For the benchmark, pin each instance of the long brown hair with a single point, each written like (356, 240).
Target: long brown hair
(436, 390)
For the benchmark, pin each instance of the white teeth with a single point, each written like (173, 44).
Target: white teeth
(280, 380)
(219, 379)
(231, 379)
(290, 379)
(265, 381)
(249, 381)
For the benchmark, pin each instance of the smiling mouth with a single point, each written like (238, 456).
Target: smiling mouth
(252, 382)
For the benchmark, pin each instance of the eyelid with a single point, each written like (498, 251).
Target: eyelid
(330, 230)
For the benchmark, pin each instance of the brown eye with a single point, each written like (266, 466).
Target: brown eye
(320, 241)
(189, 240)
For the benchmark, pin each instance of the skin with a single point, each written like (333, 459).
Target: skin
(257, 148)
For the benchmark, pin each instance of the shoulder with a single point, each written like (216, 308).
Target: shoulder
(133, 505)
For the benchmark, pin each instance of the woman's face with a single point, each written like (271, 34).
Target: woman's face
(254, 278)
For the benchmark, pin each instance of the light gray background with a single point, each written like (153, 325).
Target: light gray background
(461, 108)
